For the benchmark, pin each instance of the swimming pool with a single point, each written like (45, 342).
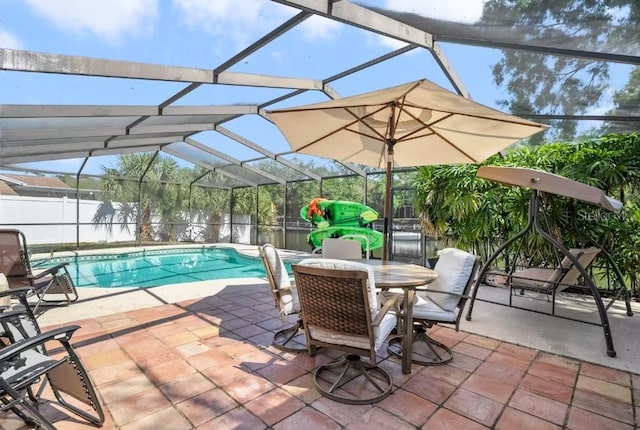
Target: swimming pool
(151, 268)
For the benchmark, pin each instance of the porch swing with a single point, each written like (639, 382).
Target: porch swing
(571, 264)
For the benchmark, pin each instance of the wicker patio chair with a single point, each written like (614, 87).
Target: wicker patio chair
(285, 296)
(52, 286)
(26, 366)
(441, 302)
(340, 311)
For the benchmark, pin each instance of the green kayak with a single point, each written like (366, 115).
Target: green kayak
(374, 237)
(324, 213)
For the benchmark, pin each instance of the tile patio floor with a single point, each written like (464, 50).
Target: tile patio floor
(207, 364)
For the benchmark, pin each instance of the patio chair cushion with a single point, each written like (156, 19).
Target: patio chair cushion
(536, 277)
(381, 332)
(5, 301)
(539, 278)
(427, 310)
(454, 267)
(289, 302)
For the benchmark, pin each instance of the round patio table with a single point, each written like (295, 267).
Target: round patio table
(395, 274)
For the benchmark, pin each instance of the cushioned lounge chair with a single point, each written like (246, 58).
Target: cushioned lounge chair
(285, 296)
(440, 302)
(26, 365)
(340, 311)
(51, 286)
(551, 280)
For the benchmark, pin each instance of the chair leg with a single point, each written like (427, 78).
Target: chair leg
(291, 339)
(342, 380)
(434, 354)
(28, 411)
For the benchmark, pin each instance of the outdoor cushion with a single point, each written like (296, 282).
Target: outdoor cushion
(454, 268)
(289, 302)
(380, 332)
(424, 308)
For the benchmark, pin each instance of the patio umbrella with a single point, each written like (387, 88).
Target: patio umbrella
(414, 124)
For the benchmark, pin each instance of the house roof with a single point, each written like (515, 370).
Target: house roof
(31, 181)
(5, 189)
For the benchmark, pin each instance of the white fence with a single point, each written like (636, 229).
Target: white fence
(58, 216)
(53, 220)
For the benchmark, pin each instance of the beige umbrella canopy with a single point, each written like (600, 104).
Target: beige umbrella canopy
(414, 124)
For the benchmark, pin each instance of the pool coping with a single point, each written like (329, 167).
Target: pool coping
(96, 301)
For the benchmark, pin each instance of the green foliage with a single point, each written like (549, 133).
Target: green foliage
(547, 84)
(479, 214)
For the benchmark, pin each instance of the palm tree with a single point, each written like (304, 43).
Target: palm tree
(120, 183)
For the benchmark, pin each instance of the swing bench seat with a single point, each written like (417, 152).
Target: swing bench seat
(551, 280)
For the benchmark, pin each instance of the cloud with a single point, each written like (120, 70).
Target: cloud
(231, 20)
(463, 11)
(390, 42)
(318, 27)
(9, 41)
(110, 20)
(240, 23)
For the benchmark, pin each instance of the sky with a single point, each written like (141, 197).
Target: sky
(204, 34)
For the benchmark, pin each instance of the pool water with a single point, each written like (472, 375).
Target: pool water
(151, 268)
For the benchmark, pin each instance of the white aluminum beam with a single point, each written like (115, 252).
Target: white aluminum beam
(249, 144)
(171, 128)
(57, 111)
(253, 80)
(238, 109)
(232, 160)
(208, 166)
(117, 151)
(60, 133)
(73, 111)
(449, 70)
(125, 142)
(27, 61)
(70, 155)
(43, 157)
(353, 14)
(264, 40)
(59, 148)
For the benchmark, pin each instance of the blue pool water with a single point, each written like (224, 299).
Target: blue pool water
(151, 268)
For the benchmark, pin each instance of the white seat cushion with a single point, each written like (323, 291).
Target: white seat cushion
(380, 333)
(424, 308)
(289, 302)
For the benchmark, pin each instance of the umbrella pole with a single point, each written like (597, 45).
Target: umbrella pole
(386, 245)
